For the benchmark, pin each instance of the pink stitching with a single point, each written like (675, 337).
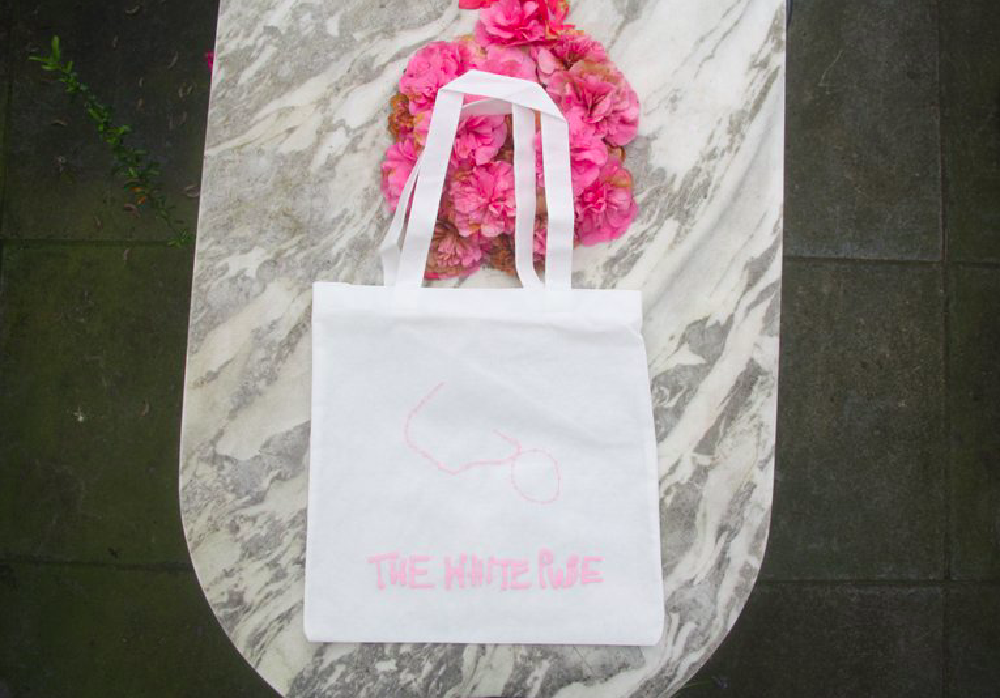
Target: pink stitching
(511, 459)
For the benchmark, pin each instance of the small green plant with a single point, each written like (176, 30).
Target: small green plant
(141, 173)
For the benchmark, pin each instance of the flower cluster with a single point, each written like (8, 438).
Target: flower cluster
(527, 39)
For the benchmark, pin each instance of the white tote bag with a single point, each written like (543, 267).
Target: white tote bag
(483, 462)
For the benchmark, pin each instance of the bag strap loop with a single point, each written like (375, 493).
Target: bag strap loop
(406, 269)
(524, 195)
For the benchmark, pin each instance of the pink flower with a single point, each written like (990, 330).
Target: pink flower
(483, 199)
(597, 94)
(478, 140)
(474, 4)
(434, 65)
(587, 154)
(623, 123)
(396, 168)
(566, 51)
(520, 22)
(511, 62)
(606, 208)
(452, 254)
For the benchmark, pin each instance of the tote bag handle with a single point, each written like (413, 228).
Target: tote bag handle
(524, 195)
(524, 95)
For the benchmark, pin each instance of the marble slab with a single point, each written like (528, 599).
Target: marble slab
(291, 195)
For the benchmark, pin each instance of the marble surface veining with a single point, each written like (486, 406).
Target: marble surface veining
(291, 195)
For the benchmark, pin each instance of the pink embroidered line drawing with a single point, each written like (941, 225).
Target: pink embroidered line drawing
(511, 461)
